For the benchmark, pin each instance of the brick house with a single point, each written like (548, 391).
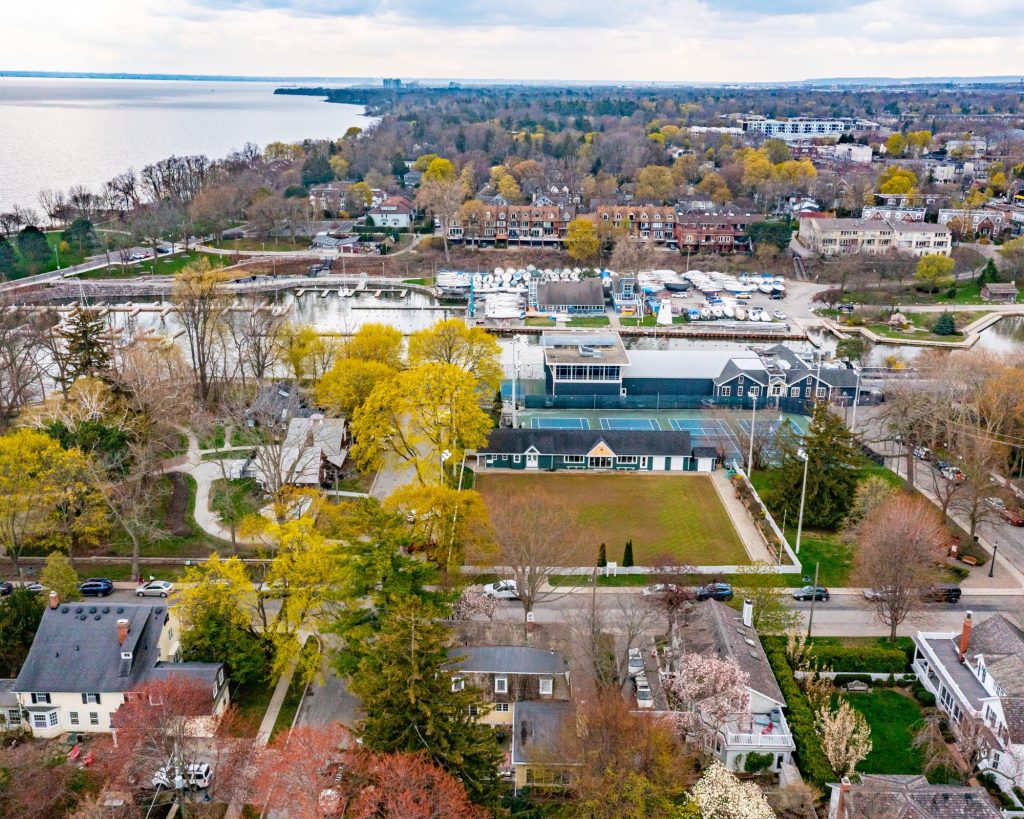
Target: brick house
(713, 233)
(504, 224)
(654, 223)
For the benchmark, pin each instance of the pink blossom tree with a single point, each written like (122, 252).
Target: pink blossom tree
(706, 692)
(471, 602)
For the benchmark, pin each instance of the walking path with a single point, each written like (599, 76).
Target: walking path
(751, 536)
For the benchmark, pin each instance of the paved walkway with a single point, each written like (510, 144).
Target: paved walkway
(751, 536)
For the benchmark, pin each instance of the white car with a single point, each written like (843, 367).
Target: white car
(659, 589)
(155, 588)
(502, 590)
(197, 775)
(138, 257)
(778, 315)
(636, 663)
(644, 698)
(996, 503)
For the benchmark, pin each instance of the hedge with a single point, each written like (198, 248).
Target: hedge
(810, 757)
(873, 659)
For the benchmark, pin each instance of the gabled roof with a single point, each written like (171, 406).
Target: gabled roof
(587, 292)
(737, 367)
(509, 660)
(713, 626)
(1002, 645)
(911, 797)
(629, 443)
(535, 729)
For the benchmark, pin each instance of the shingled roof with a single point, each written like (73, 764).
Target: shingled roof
(509, 660)
(627, 443)
(911, 797)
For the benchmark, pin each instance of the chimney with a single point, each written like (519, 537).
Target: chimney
(54, 600)
(748, 614)
(965, 637)
(844, 788)
(122, 631)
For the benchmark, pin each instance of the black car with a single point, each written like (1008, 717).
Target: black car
(715, 591)
(942, 593)
(96, 587)
(6, 587)
(809, 592)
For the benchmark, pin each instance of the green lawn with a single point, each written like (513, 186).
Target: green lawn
(893, 718)
(166, 265)
(276, 245)
(677, 515)
(650, 320)
(251, 701)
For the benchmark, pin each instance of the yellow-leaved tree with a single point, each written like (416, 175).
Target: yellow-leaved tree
(453, 342)
(307, 353)
(424, 418)
(375, 342)
(581, 240)
(345, 387)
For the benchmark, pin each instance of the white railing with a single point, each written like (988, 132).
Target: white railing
(771, 740)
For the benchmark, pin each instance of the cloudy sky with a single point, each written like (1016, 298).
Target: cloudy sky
(617, 40)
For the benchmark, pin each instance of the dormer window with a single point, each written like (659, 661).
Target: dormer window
(501, 685)
(458, 683)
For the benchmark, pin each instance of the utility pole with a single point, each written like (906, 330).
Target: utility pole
(753, 421)
(803, 498)
(814, 596)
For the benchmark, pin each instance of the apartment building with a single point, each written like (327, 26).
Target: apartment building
(649, 223)
(504, 224)
(832, 237)
(982, 221)
(713, 233)
(799, 128)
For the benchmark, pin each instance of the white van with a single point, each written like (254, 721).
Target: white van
(198, 775)
(644, 699)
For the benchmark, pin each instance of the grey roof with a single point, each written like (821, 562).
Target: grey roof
(76, 649)
(535, 728)
(581, 441)
(684, 363)
(577, 348)
(1002, 645)
(911, 797)
(705, 452)
(946, 649)
(716, 627)
(586, 293)
(736, 367)
(1001, 287)
(509, 660)
(7, 695)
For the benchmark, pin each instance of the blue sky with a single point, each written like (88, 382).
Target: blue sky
(601, 40)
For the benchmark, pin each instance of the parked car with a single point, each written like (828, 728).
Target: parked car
(96, 587)
(35, 587)
(714, 591)
(812, 592)
(922, 453)
(953, 473)
(881, 593)
(942, 593)
(6, 587)
(778, 315)
(996, 503)
(155, 588)
(137, 257)
(502, 590)
(846, 308)
(636, 664)
(941, 465)
(196, 775)
(644, 698)
(659, 589)
(1012, 516)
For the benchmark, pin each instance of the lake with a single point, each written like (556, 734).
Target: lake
(55, 133)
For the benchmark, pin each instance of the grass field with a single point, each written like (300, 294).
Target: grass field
(677, 515)
(894, 718)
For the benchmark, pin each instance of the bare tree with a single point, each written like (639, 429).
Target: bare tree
(150, 374)
(199, 299)
(606, 630)
(20, 360)
(256, 337)
(901, 545)
(536, 537)
(980, 457)
(442, 197)
(632, 256)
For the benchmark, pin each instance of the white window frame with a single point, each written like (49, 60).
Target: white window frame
(94, 718)
(516, 459)
(40, 698)
(14, 716)
(39, 720)
(52, 718)
(501, 685)
(547, 686)
(820, 392)
(628, 460)
(575, 459)
(458, 683)
(754, 392)
(90, 699)
(502, 707)
(726, 392)
(794, 392)
(73, 718)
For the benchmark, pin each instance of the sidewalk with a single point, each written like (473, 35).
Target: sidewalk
(751, 536)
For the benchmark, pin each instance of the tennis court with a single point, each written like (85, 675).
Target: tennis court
(559, 423)
(712, 432)
(631, 424)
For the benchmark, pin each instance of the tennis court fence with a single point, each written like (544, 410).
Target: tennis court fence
(664, 402)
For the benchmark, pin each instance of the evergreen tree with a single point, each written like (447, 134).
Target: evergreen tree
(80, 235)
(602, 557)
(410, 705)
(87, 352)
(34, 248)
(19, 618)
(8, 259)
(989, 273)
(831, 472)
(945, 326)
(627, 554)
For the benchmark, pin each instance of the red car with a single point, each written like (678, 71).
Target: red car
(1012, 516)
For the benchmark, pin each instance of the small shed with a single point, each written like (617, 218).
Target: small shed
(999, 291)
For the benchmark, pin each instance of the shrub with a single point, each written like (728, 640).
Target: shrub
(923, 696)
(988, 782)
(627, 554)
(876, 659)
(602, 557)
(1019, 793)
(755, 762)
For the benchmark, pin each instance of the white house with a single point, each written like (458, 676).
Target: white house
(977, 677)
(714, 628)
(393, 212)
(86, 657)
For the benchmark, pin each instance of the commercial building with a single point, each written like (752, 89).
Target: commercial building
(832, 237)
(800, 128)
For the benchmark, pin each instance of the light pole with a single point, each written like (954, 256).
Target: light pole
(995, 551)
(856, 401)
(445, 455)
(753, 420)
(515, 375)
(814, 596)
(803, 497)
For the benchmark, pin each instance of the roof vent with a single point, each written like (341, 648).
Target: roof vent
(106, 609)
(97, 617)
(64, 609)
(120, 609)
(78, 609)
(92, 609)
(83, 616)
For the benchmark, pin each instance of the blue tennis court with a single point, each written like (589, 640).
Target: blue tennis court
(631, 424)
(710, 432)
(560, 423)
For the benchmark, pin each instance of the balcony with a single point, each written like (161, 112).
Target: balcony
(765, 731)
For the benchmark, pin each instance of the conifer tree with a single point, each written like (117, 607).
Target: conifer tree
(627, 554)
(602, 557)
(87, 352)
(945, 326)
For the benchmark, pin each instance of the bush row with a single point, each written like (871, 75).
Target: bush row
(810, 757)
(876, 659)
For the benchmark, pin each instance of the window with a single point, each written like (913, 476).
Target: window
(517, 459)
(600, 463)
(501, 707)
(90, 699)
(643, 462)
(73, 717)
(40, 698)
(807, 391)
(753, 392)
(458, 683)
(473, 710)
(574, 459)
(820, 392)
(39, 720)
(547, 685)
(629, 460)
(501, 685)
(794, 393)
(94, 718)
(14, 716)
(726, 391)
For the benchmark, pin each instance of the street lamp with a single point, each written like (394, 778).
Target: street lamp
(995, 551)
(803, 497)
(515, 374)
(856, 402)
(445, 455)
(753, 421)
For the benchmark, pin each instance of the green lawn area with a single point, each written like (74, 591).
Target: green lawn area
(648, 321)
(67, 259)
(893, 718)
(251, 701)
(279, 244)
(677, 515)
(167, 265)
(599, 320)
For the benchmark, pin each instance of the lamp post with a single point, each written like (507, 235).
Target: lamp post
(995, 551)
(803, 497)
(856, 401)
(753, 420)
(515, 375)
(445, 455)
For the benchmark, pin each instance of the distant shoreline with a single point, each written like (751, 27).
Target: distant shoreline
(99, 75)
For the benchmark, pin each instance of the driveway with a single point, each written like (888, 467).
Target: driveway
(329, 700)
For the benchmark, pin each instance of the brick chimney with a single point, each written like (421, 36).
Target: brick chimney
(122, 631)
(965, 637)
(844, 788)
(54, 600)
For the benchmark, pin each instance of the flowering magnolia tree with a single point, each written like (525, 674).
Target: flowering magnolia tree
(471, 602)
(845, 736)
(706, 692)
(720, 795)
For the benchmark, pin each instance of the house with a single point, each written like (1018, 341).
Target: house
(87, 657)
(626, 298)
(10, 707)
(713, 233)
(329, 198)
(907, 797)
(410, 179)
(312, 454)
(393, 212)
(508, 674)
(712, 628)
(895, 212)
(499, 223)
(999, 291)
(649, 223)
(536, 729)
(977, 677)
(584, 296)
(605, 450)
(980, 221)
(847, 153)
(832, 237)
